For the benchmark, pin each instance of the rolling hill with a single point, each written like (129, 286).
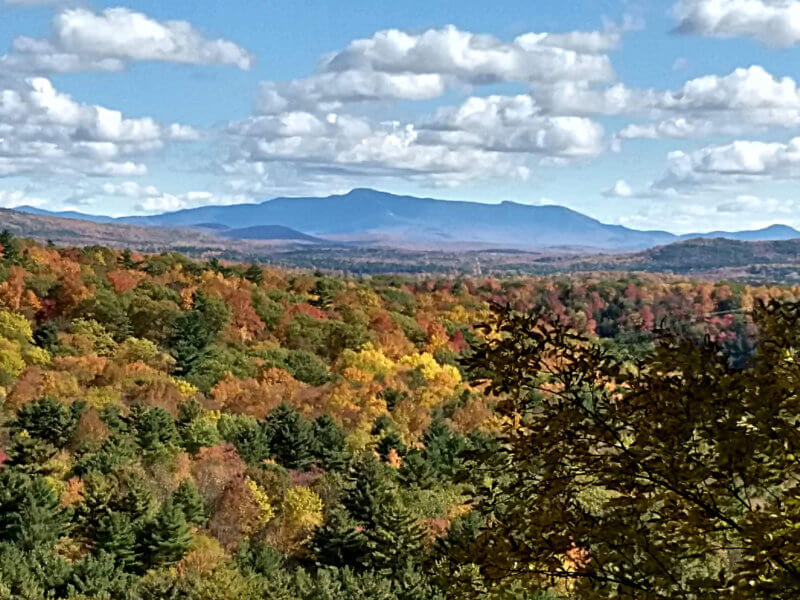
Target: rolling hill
(372, 217)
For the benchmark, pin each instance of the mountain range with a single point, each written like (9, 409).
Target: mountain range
(369, 216)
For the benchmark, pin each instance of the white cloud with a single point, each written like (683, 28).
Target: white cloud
(744, 100)
(307, 126)
(14, 198)
(473, 58)
(84, 40)
(43, 130)
(730, 164)
(149, 198)
(513, 124)
(328, 91)
(393, 64)
(774, 23)
(748, 204)
(621, 189)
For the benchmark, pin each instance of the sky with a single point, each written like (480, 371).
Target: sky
(681, 115)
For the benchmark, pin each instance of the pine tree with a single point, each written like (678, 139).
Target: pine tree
(188, 498)
(97, 575)
(30, 512)
(291, 437)
(155, 431)
(165, 539)
(115, 535)
(396, 539)
(369, 485)
(254, 274)
(49, 420)
(329, 443)
(340, 542)
(9, 248)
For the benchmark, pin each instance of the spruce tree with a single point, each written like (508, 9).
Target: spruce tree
(188, 498)
(49, 420)
(9, 248)
(340, 542)
(155, 431)
(165, 539)
(30, 512)
(291, 437)
(254, 274)
(369, 485)
(396, 539)
(329, 443)
(115, 535)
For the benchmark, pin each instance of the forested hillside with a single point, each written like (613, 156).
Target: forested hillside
(178, 429)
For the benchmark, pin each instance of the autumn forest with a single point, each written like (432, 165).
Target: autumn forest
(173, 428)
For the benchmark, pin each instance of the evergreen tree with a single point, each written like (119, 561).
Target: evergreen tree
(49, 420)
(340, 542)
(250, 438)
(396, 539)
(291, 437)
(165, 539)
(254, 274)
(46, 335)
(97, 575)
(444, 448)
(115, 535)
(417, 471)
(9, 248)
(155, 431)
(188, 498)
(368, 486)
(30, 511)
(329, 443)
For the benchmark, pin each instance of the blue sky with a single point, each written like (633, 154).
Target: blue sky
(677, 115)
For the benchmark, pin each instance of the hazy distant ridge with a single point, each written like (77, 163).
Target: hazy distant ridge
(388, 218)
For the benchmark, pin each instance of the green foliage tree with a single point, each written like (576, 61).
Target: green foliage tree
(188, 498)
(250, 438)
(291, 437)
(30, 511)
(341, 542)
(165, 539)
(115, 535)
(666, 477)
(10, 248)
(329, 443)
(155, 431)
(49, 420)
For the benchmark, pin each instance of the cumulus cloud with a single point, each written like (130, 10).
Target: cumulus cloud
(394, 64)
(513, 124)
(344, 144)
(14, 198)
(329, 91)
(743, 100)
(739, 162)
(621, 189)
(148, 198)
(84, 40)
(470, 57)
(44, 130)
(309, 125)
(774, 23)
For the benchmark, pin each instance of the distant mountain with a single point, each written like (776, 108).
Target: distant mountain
(768, 234)
(66, 214)
(371, 216)
(383, 217)
(269, 232)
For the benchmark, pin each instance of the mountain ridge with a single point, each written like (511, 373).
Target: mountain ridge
(381, 217)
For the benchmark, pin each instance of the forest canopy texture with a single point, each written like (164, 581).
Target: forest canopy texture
(204, 430)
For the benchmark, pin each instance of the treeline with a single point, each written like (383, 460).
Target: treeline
(176, 429)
